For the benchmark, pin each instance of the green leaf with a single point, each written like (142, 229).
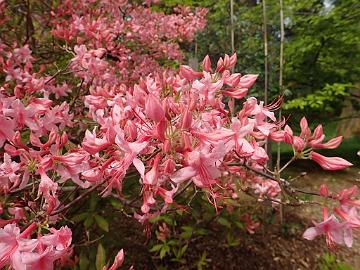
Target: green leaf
(100, 257)
(182, 250)
(102, 223)
(224, 222)
(202, 231)
(117, 204)
(156, 248)
(187, 232)
(80, 217)
(89, 221)
(165, 249)
(168, 220)
(83, 261)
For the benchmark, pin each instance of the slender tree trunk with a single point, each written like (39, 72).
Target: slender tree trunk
(266, 75)
(29, 26)
(232, 26)
(281, 89)
(232, 100)
(266, 67)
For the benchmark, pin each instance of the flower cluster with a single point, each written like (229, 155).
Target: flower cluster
(20, 252)
(119, 117)
(337, 232)
(132, 37)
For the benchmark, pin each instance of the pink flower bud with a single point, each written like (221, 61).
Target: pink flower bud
(330, 163)
(235, 92)
(207, 64)
(233, 80)
(247, 81)
(119, 259)
(64, 139)
(277, 136)
(220, 66)
(305, 130)
(332, 144)
(288, 135)
(324, 190)
(188, 73)
(298, 144)
(226, 61)
(233, 60)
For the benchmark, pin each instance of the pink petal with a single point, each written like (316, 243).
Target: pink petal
(348, 238)
(310, 233)
(183, 174)
(139, 165)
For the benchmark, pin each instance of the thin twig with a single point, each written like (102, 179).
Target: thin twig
(77, 199)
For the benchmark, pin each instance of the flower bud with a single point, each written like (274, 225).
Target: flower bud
(188, 73)
(207, 64)
(330, 163)
(324, 190)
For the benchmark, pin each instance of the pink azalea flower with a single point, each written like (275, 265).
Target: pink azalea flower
(251, 225)
(48, 189)
(70, 165)
(332, 229)
(11, 240)
(60, 239)
(8, 173)
(351, 216)
(92, 144)
(346, 197)
(7, 127)
(203, 166)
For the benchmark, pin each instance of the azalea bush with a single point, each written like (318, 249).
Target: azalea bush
(114, 121)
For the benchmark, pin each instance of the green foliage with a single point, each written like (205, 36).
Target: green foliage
(184, 229)
(322, 52)
(202, 262)
(92, 229)
(83, 261)
(100, 257)
(329, 262)
(321, 99)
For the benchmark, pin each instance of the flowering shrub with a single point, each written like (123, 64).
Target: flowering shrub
(119, 117)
